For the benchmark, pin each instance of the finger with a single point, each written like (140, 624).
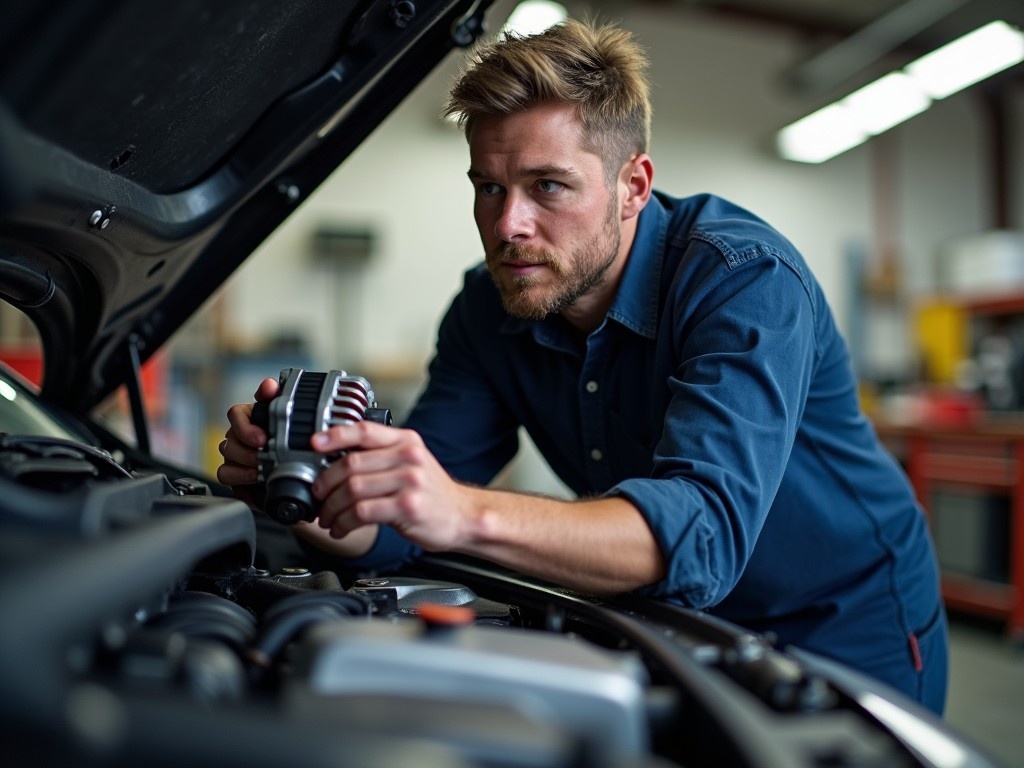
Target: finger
(339, 489)
(268, 389)
(342, 526)
(337, 503)
(384, 510)
(357, 463)
(240, 415)
(234, 474)
(348, 521)
(362, 435)
(235, 452)
(386, 498)
(334, 496)
(242, 428)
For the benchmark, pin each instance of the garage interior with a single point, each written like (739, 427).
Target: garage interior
(916, 233)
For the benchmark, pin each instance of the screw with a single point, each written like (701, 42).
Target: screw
(101, 218)
(291, 191)
(466, 30)
(403, 12)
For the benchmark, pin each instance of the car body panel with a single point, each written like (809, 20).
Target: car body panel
(137, 175)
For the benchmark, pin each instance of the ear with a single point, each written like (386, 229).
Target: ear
(636, 178)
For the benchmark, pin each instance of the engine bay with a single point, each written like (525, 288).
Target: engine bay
(144, 623)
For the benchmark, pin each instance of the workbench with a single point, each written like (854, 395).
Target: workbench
(969, 477)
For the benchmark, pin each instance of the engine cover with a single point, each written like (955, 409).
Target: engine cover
(554, 679)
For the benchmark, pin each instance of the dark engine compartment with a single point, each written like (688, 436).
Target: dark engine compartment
(144, 623)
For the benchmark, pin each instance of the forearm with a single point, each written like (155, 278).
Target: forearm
(600, 546)
(388, 477)
(355, 544)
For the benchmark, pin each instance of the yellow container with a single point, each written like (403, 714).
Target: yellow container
(940, 334)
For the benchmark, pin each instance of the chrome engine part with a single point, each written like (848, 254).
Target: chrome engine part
(308, 402)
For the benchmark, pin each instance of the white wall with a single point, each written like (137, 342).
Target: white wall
(717, 102)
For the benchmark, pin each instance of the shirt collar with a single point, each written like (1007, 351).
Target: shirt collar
(636, 302)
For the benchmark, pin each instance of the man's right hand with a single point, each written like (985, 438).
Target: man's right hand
(242, 441)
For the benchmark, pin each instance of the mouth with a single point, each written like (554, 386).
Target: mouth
(520, 262)
(521, 267)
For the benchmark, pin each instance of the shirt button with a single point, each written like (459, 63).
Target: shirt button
(596, 454)
(591, 387)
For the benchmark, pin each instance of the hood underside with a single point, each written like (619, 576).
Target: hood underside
(146, 149)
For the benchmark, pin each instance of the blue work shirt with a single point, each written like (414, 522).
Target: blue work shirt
(718, 397)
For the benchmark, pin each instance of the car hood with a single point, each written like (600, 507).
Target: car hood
(146, 149)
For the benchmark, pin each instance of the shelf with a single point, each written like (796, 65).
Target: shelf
(990, 471)
(975, 595)
(981, 459)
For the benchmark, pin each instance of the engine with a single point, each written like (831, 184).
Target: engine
(144, 623)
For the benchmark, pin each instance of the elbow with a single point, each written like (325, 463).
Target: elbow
(699, 572)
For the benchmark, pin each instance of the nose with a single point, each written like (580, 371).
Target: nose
(515, 221)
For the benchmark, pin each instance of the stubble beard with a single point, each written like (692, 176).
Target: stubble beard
(573, 278)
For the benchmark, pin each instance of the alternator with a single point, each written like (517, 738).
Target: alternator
(309, 402)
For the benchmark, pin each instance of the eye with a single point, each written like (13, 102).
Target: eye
(488, 188)
(547, 186)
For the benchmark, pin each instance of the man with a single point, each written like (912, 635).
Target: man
(674, 361)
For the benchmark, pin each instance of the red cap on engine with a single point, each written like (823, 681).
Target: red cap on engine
(438, 615)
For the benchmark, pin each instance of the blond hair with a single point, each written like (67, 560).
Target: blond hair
(599, 69)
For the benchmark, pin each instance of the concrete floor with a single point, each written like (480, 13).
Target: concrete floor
(986, 691)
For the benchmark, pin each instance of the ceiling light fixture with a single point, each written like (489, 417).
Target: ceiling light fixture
(534, 16)
(820, 136)
(886, 102)
(968, 60)
(898, 96)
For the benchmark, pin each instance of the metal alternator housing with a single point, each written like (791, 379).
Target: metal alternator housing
(308, 402)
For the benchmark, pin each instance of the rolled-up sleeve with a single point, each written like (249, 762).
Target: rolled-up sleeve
(745, 337)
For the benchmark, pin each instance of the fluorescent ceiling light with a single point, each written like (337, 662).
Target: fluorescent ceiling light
(886, 102)
(898, 96)
(820, 136)
(969, 59)
(534, 16)
(841, 126)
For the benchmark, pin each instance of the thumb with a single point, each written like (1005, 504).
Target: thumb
(268, 389)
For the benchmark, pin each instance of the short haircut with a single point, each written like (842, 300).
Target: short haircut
(599, 69)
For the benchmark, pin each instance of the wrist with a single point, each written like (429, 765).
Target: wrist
(482, 520)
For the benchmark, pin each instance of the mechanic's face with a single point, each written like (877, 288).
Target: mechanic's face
(549, 223)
